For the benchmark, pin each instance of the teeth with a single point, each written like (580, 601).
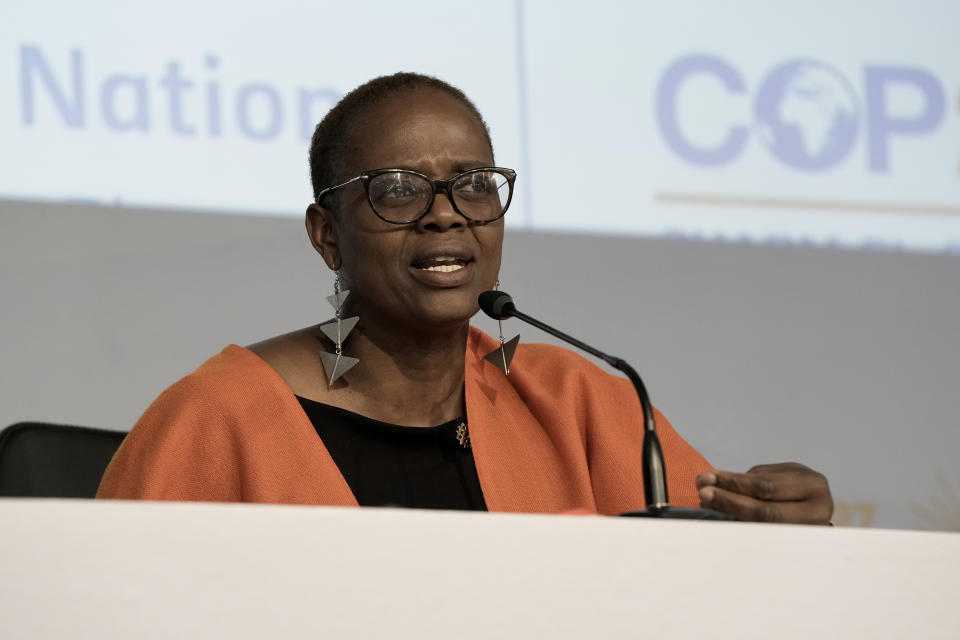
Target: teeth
(445, 268)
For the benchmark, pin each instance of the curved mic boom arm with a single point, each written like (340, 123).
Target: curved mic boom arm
(500, 306)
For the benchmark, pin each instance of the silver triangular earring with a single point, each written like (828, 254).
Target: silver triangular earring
(502, 356)
(336, 364)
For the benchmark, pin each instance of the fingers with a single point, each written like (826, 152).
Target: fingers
(773, 483)
(787, 492)
(752, 510)
(740, 506)
(761, 487)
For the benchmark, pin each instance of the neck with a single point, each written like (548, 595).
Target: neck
(412, 379)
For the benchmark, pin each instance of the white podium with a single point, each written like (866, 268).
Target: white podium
(84, 569)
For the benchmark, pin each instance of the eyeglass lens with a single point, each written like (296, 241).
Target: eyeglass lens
(404, 197)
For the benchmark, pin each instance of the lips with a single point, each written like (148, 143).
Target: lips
(443, 266)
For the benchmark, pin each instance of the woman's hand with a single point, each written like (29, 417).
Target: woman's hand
(786, 492)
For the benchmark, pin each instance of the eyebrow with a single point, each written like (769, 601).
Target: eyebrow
(458, 166)
(472, 164)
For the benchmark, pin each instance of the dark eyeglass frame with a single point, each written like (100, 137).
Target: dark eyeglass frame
(436, 186)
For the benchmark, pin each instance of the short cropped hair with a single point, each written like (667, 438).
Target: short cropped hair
(332, 142)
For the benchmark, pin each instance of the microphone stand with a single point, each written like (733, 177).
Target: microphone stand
(654, 470)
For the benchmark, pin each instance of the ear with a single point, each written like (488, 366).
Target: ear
(322, 229)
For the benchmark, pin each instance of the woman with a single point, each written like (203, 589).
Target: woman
(408, 213)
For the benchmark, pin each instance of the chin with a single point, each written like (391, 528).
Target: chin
(449, 311)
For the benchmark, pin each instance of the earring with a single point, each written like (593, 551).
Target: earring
(336, 364)
(503, 355)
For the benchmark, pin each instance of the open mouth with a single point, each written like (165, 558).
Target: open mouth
(443, 264)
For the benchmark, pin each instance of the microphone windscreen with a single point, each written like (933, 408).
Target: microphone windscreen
(496, 304)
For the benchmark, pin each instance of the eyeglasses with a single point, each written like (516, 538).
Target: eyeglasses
(400, 196)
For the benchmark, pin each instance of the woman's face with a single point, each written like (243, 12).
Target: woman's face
(402, 275)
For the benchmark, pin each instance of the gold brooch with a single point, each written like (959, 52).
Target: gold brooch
(463, 436)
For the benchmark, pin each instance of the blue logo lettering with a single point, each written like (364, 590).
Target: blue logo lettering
(136, 89)
(34, 68)
(806, 113)
(271, 100)
(194, 107)
(882, 124)
(670, 86)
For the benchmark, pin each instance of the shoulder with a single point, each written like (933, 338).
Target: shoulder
(228, 386)
(547, 364)
(230, 378)
(231, 366)
(548, 357)
(554, 379)
(293, 356)
(536, 355)
(183, 444)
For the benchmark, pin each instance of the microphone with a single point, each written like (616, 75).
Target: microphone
(500, 306)
(497, 304)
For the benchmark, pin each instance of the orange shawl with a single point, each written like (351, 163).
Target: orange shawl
(558, 434)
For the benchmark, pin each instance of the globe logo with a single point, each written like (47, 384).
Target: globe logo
(807, 115)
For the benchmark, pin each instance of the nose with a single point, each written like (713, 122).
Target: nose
(441, 216)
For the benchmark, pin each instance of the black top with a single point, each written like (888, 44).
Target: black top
(390, 465)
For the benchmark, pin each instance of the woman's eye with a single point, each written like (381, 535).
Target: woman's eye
(399, 188)
(472, 183)
(399, 191)
(476, 185)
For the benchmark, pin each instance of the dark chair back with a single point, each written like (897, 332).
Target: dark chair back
(53, 460)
